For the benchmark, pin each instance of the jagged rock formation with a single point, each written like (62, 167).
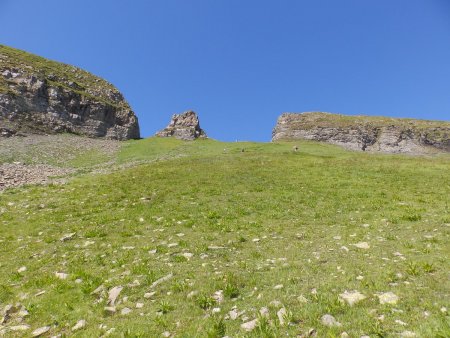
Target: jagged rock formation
(390, 135)
(183, 126)
(42, 96)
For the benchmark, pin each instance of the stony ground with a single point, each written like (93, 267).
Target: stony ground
(44, 159)
(205, 240)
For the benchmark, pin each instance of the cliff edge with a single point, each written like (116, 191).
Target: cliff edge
(366, 133)
(41, 96)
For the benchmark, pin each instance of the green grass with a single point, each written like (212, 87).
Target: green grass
(251, 220)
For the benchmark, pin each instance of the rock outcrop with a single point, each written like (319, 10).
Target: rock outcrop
(183, 126)
(42, 96)
(366, 133)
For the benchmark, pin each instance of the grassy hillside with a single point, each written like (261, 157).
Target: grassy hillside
(268, 226)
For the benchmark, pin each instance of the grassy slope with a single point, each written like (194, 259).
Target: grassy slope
(294, 203)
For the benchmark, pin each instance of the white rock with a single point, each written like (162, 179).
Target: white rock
(351, 297)
(187, 255)
(125, 311)
(22, 269)
(113, 294)
(161, 280)
(278, 287)
(407, 334)
(148, 295)
(78, 281)
(110, 309)
(387, 298)
(216, 310)
(22, 327)
(218, 296)
(166, 334)
(81, 324)
(281, 314)
(264, 312)
(276, 303)
(234, 314)
(61, 275)
(250, 326)
(344, 335)
(329, 320)
(40, 331)
(362, 245)
(402, 323)
(67, 237)
(443, 309)
(139, 305)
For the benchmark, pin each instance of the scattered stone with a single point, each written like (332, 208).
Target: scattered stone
(278, 287)
(187, 255)
(23, 327)
(345, 248)
(139, 305)
(387, 298)
(276, 303)
(233, 314)
(67, 237)
(345, 335)
(218, 296)
(110, 310)
(125, 311)
(264, 312)
(281, 314)
(351, 297)
(402, 323)
(166, 334)
(98, 290)
(216, 310)
(148, 295)
(362, 245)
(250, 326)
(113, 294)
(215, 247)
(161, 280)
(40, 293)
(78, 281)
(22, 269)
(81, 324)
(329, 320)
(407, 334)
(40, 331)
(61, 275)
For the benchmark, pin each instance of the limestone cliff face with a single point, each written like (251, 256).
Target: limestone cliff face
(185, 126)
(42, 96)
(365, 133)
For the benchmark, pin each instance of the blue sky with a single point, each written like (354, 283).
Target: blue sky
(241, 63)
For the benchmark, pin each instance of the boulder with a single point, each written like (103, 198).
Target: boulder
(185, 126)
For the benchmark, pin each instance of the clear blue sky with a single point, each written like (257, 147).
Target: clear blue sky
(241, 63)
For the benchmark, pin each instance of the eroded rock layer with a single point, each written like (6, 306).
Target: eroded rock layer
(366, 133)
(42, 96)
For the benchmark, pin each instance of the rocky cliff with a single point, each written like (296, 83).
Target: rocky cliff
(185, 126)
(42, 96)
(366, 133)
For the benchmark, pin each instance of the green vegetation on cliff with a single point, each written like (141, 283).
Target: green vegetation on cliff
(57, 74)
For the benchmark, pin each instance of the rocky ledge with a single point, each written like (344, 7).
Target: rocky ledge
(185, 126)
(45, 97)
(366, 133)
